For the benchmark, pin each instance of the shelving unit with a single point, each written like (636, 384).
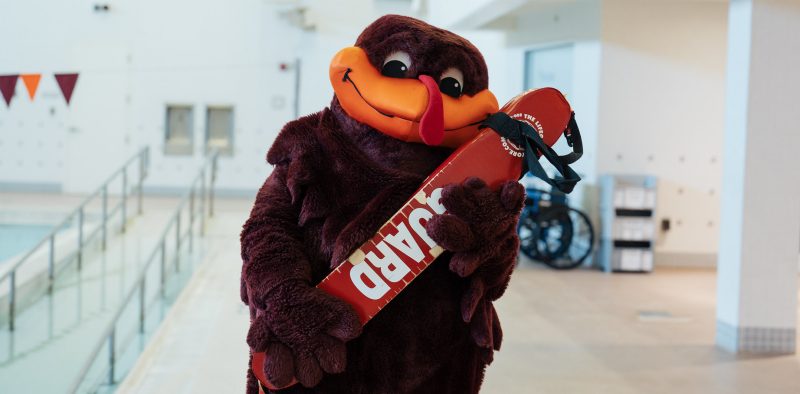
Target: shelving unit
(628, 227)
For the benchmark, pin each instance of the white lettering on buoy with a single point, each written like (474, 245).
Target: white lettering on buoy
(379, 287)
(405, 243)
(391, 266)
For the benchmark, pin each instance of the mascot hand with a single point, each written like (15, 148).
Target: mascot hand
(303, 330)
(479, 227)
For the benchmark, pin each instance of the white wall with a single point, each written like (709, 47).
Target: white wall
(336, 25)
(471, 14)
(661, 110)
(38, 139)
(134, 60)
(143, 55)
(223, 53)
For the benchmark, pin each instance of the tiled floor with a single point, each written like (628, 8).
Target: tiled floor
(587, 332)
(565, 332)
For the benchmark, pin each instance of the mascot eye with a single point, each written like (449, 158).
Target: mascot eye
(396, 65)
(451, 82)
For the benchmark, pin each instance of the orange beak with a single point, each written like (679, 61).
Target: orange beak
(410, 110)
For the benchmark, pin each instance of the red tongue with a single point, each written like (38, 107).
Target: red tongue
(431, 125)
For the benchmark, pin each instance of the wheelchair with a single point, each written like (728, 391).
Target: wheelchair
(553, 233)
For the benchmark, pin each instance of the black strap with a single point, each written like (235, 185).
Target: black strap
(573, 136)
(522, 134)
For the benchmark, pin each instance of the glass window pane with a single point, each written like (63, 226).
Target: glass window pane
(178, 136)
(549, 67)
(219, 129)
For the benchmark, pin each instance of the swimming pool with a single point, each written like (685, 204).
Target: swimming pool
(18, 238)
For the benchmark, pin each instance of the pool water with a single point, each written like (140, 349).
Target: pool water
(18, 238)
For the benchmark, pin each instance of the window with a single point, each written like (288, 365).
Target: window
(549, 67)
(219, 129)
(178, 136)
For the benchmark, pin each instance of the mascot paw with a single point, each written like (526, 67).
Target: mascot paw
(303, 330)
(479, 227)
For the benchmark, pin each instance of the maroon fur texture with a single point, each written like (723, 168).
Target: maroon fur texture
(334, 183)
(479, 227)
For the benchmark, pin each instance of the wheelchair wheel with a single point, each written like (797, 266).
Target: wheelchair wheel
(582, 238)
(527, 230)
(553, 234)
(580, 244)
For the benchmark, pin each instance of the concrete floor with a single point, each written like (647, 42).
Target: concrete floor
(565, 332)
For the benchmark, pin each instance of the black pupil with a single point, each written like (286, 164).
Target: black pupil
(450, 86)
(394, 69)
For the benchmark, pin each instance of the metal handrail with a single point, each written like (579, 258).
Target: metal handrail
(160, 250)
(143, 159)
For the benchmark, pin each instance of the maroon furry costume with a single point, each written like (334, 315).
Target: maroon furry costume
(335, 182)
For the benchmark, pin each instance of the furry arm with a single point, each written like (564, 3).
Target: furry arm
(302, 328)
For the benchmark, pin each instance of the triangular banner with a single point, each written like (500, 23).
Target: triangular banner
(8, 83)
(67, 84)
(31, 82)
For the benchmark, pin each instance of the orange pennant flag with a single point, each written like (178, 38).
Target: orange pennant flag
(31, 83)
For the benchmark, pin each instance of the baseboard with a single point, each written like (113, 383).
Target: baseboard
(756, 340)
(24, 187)
(218, 192)
(685, 260)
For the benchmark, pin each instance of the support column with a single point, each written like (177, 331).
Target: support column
(760, 219)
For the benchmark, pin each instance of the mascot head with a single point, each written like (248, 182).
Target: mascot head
(413, 82)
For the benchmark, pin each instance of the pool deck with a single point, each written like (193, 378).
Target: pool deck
(56, 333)
(580, 331)
(200, 347)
